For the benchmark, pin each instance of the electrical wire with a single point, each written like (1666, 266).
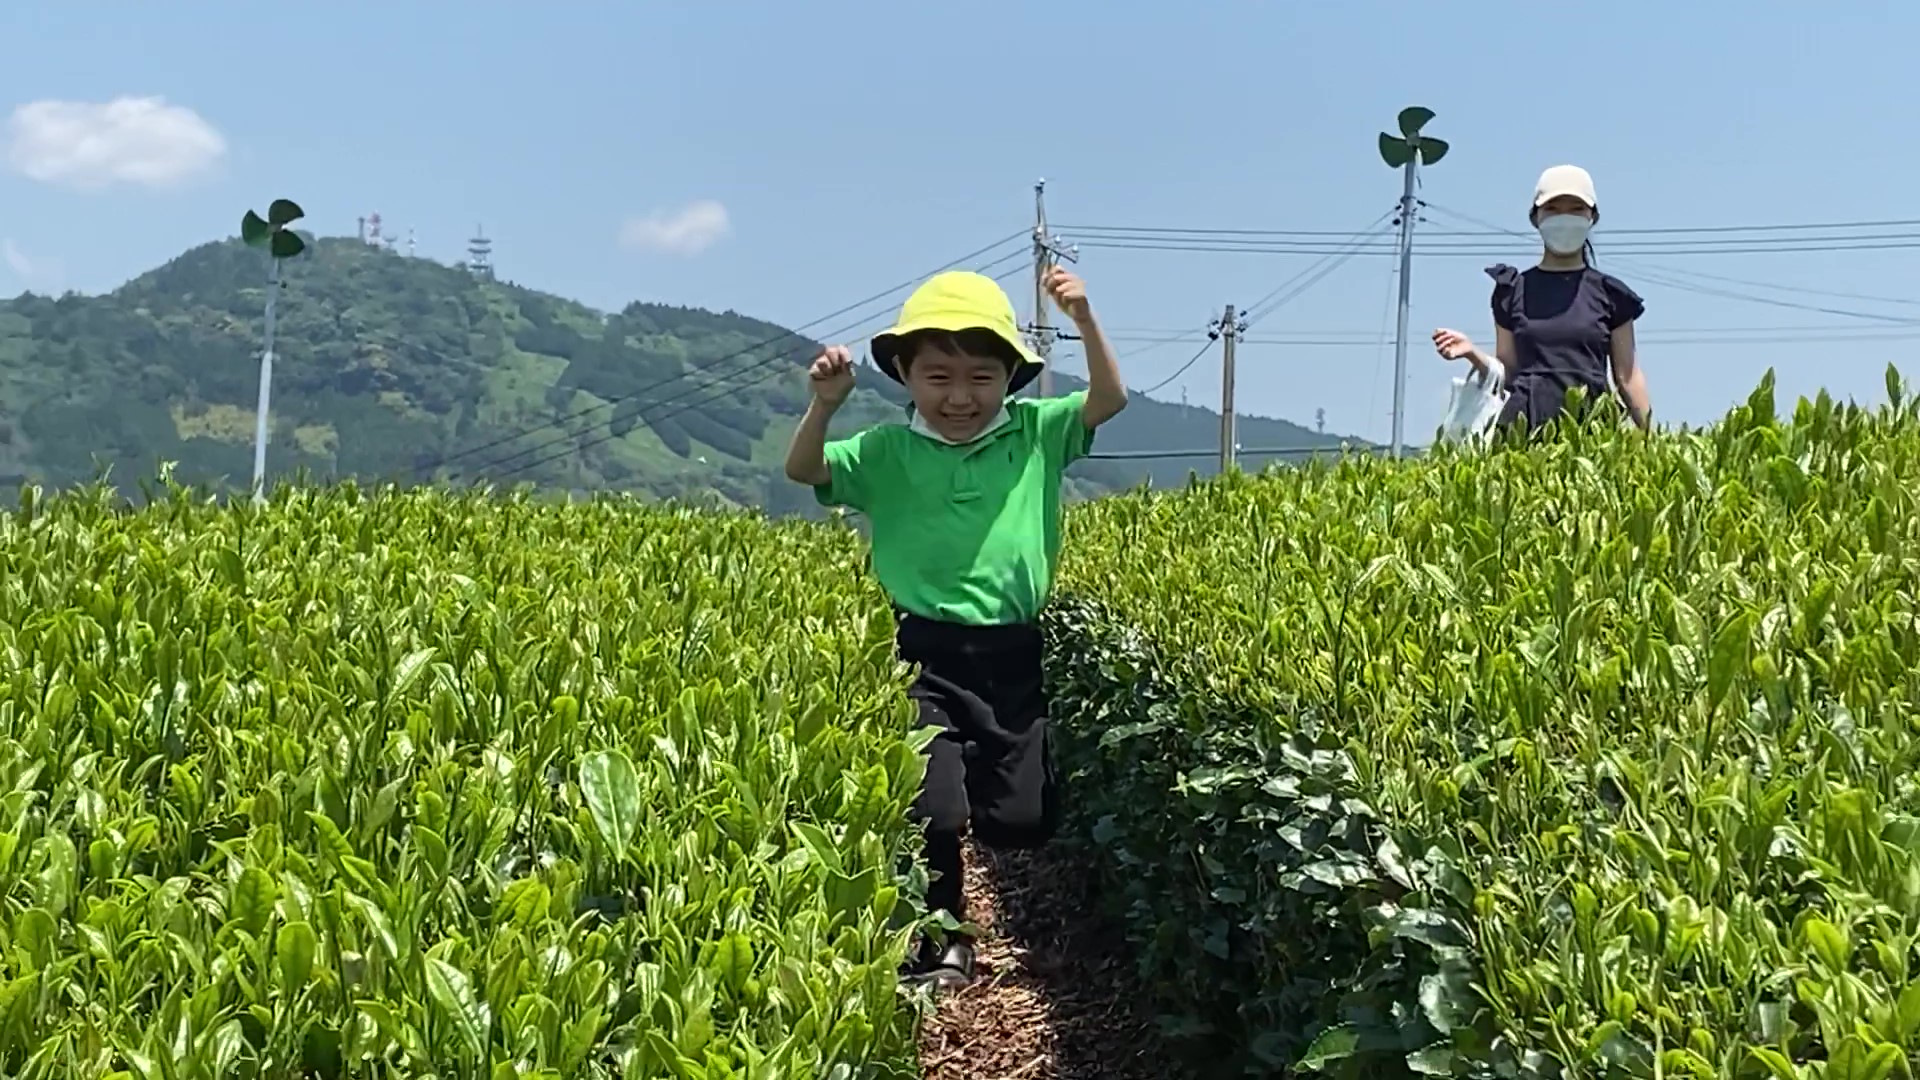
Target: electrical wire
(1272, 301)
(1481, 240)
(771, 363)
(1307, 278)
(1239, 452)
(693, 387)
(1182, 369)
(1486, 229)
(1837, 335)
(1890, 242)
(589, 444)
(1366, 337)
(1672, 278)
(687, 375)
(1807, 289)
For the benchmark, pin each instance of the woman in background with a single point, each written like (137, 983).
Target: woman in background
(1561, 323)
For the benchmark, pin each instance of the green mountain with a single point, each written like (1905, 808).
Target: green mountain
(396, 368)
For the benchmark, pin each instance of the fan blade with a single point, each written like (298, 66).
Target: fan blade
(286, 244)
(284, 212)
(1394, 150)
(1412, 119)
(1432, 150)
(254, 229)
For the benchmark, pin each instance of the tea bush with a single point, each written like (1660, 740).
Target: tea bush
(1596, 758)
(420, 785)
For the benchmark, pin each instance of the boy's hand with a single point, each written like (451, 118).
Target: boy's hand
(1070, 293)
(831, 374)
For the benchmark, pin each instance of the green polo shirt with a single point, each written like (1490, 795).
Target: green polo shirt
(966, 534)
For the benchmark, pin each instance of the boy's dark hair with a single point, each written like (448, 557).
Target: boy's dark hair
(971, 342)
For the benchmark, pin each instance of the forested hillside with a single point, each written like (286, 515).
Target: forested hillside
(397, 368)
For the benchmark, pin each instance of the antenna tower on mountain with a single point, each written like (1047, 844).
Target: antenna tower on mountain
(480, 253)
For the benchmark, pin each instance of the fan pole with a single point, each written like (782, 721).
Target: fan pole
(1400, 336)
(266, 388)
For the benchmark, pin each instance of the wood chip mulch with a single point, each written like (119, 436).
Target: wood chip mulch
(1055, 996)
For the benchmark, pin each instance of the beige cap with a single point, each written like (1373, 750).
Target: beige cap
(1564, 180)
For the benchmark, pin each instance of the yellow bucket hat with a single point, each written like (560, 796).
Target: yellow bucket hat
(953, 301)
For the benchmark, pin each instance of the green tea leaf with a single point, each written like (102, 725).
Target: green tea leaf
(611, 789)
(251, 899)
(1330, 1046)
(296, 946)
(733, 961)
(453, 997)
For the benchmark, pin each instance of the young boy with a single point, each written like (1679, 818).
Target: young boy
(964, 507)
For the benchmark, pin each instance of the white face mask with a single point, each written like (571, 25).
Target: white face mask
(1564, 234)
(920, 426)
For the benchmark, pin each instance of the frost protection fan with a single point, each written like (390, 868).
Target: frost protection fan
(281, 243)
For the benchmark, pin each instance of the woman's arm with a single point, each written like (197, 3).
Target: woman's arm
(1503, 351)
(1629, 378)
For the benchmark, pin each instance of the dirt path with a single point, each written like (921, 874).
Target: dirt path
(1055, 991)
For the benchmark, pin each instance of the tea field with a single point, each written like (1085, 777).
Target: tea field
(417, 785)
(1599, 759)
(1596, 759)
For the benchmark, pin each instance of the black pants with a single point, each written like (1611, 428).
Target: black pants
(991, 767)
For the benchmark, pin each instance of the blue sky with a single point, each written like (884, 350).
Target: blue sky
(855, 145)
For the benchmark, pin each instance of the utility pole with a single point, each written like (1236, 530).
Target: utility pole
(1046, 249)
(1406, 151)
(1229, 327)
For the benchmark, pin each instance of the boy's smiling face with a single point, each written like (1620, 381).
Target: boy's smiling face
(957, 391)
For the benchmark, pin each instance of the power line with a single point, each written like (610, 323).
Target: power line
(1660, 278)
(692, 386)
(724, 391)
(1482, 242)
(1182, 369)
(1274, 300)
(1302, 337)
(770, 364)
(1477, 241)
(1808, 289)
(688, 374)
(1810, 332)
(1486, 229)
(1661, 339)
(1673, 278)
(1890, 242)
(1307, 278)
(1272, 451)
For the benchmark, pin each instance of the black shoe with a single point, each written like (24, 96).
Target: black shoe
(948, 968)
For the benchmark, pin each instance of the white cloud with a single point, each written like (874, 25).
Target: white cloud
(28, 270)
(15, 259)
(689, 230)
(93, 145)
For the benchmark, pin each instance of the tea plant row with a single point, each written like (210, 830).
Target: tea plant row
(1600, 758)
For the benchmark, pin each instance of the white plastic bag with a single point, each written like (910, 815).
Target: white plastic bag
(1476, 402)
